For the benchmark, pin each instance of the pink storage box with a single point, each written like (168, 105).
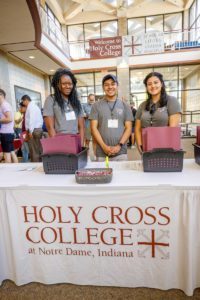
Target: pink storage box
(62, 143)
(161, 137)
(198, 135)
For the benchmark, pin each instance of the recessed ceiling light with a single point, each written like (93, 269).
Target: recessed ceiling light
(52, 70)
(31, 57)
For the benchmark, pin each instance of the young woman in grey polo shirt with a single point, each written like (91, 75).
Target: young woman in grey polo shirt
(158, 110)
(62, 110)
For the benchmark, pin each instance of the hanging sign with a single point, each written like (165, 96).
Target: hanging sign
(106, 47)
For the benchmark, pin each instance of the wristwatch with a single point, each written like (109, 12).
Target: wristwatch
(121, 144)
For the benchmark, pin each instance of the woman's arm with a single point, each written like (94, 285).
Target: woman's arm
(174, 120)
(49, 122)
(138, 135)
(81, 129)
(7, 118)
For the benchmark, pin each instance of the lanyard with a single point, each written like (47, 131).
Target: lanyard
(152, 111)
(111, 109)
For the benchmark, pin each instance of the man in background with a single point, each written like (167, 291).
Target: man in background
(18, 118)
(87, 109)
(33, 125)
(24, 147)
(132, 137)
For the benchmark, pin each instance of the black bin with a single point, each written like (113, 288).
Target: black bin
(62, 163)
(197, 153)
(163, 160)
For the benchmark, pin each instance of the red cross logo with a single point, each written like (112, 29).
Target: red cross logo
(132, 45)
(153, 243)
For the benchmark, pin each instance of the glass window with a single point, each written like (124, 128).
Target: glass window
(98, 83)
(136, 79)
(99, 91)
(82, 92)
(92, 31)
(173, 28)
(109, 29)
(50, 14)
(98, 77)
(75, 33)
(85, 79)
(190, 76)
(198, 8)
(193, 15)
(170, 76)
(136, 26)
(154, 23)
(139, 98)
(198, 29)
(77, 50)
(173, 22)
(85, 85)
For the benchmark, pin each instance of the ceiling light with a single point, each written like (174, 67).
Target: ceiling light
(52, 70)
(31, 57)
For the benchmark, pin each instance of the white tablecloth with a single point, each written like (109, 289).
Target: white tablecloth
(142, 229)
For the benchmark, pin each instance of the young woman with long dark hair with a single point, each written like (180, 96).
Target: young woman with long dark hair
(62, 110)
(158, 110)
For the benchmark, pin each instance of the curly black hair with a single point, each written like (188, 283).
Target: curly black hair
(163, 97)
(2, 92)
(73, 96)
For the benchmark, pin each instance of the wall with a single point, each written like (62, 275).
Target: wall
(15, 72)
(24, 76)
(4, 78)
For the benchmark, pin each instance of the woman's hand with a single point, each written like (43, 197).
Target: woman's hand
(140, 149)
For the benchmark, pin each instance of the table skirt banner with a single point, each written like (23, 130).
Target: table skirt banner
(123, 237)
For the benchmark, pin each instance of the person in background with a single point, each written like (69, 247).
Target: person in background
(62, 110)
(44, 128)
(18, 118)
(33, 125)
(87, 110)
(24, 147)
(132, 137)
(111, 121)
(7, 129)
(158, 110)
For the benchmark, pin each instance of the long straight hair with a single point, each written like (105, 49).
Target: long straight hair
(73, 96)
(163, 96)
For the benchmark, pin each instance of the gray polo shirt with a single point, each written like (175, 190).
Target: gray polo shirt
(161, 116)
(102, 112)
(62, 125)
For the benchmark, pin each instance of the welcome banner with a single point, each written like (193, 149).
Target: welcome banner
(106, 47)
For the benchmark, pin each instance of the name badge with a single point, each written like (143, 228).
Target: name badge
(112, 123)
(70, 115)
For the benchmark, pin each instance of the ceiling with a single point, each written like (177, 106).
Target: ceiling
(78, 11)
(17, 34)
